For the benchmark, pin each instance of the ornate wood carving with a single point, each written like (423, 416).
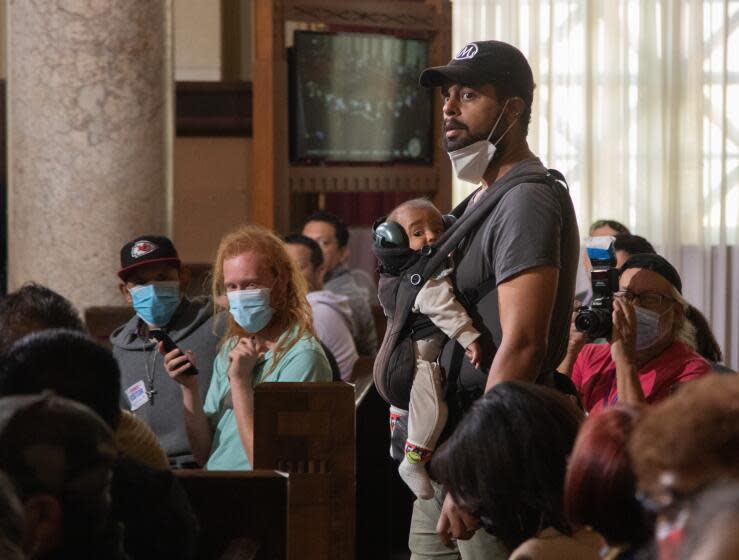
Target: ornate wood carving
(400, 15)
(421, 179)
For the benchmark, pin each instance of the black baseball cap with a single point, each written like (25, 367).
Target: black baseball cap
(483, 62)
(147, 249)
(657, 264)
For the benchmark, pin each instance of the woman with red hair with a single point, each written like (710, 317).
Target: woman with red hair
(600, 485)
(269, 337)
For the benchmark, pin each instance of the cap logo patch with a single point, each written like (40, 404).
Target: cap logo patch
(141, 248)
(467, 52)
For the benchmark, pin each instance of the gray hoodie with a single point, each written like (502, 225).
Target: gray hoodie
(191, 328)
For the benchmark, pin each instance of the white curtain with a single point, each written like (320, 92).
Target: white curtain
(637, 103)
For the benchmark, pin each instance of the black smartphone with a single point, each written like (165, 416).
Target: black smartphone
(169, 345)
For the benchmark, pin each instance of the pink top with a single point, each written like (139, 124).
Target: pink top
(594, 374)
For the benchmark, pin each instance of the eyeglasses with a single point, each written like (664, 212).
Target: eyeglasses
(646, 299)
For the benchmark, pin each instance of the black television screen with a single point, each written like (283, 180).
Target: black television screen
(355, 98)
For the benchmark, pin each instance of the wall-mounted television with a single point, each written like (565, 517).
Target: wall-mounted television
(354, 97)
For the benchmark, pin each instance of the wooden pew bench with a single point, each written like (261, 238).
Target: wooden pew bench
(242, 515)
(308, 430)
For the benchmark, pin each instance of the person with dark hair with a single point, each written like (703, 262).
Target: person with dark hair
(12, 523)
(71, 364)
(505, 465)
(31, 308)
(332, 236)
(626, 245)
(600, 486)
(705, 342)
(146, 497)
(36, 308)
(59, 456)
(152, 280)
(516, 271)
(650, 351)
(681, 446)
(331, 311)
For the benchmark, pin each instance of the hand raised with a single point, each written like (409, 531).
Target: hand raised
(244, 356)
(623, 337)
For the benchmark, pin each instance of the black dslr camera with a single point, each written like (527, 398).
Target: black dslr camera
(595, 320)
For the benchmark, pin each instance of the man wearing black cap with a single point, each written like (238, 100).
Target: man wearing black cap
(153, 282)
(650, 351)
(516, 271)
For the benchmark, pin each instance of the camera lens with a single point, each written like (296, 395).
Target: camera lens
(584, 321)
(594, 322)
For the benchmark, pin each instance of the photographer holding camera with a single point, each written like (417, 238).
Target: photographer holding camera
(650, 348)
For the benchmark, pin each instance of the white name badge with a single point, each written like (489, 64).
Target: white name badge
(137, 396)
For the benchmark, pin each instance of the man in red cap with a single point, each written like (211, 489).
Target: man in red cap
(153, 282)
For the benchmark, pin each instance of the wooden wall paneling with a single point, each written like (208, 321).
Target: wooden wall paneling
(408, 15)
(363, 178)
(3, 190)
(275, 179)
(214, 109)
(440, 53)
(270, 194)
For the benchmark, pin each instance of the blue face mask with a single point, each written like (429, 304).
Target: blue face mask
(250, 308)
(156, 302)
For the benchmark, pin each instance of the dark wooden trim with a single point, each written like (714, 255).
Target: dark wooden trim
(3, 189)
(214, 109)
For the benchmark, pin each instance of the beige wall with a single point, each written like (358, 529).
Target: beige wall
(197, 40)
(211, 197)
(3, 35)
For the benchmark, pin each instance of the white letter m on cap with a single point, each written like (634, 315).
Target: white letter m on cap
(467, 52)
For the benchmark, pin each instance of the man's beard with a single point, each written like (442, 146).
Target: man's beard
(457, 143)
(464, 141)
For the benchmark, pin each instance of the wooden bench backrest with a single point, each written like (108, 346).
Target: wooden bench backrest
(102, 321)
(238, 508)
(308, 430)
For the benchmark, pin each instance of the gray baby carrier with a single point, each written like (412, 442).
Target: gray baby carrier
(402, 275)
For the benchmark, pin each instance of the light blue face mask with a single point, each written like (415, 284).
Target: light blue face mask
(156, 302)
(250, 308)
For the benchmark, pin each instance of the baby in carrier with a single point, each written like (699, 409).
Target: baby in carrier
(416, 224)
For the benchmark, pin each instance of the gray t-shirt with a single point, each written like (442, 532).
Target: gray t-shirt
(533, 225)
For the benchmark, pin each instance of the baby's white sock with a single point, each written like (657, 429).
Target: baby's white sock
(417, 479)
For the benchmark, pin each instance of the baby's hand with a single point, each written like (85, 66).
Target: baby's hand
(474, 354)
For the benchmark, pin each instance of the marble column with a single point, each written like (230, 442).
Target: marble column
(89, 139)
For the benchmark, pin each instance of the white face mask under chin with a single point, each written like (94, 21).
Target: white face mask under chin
(469, 163)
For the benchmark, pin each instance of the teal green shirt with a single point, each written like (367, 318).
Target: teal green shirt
(305, 361)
